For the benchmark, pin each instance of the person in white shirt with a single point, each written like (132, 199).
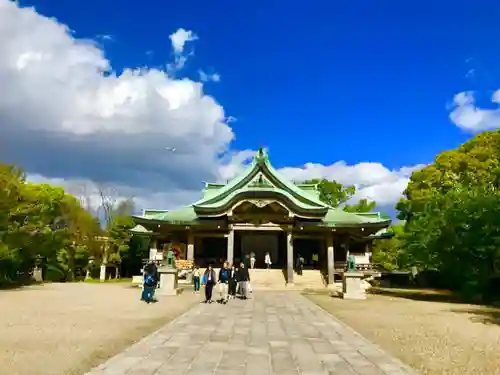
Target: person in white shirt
(252, 260)
(267, 260)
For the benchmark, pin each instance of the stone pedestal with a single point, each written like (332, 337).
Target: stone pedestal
(352, 285)
(333, 290)
(102, 273)
(168, 281)
(37, 275)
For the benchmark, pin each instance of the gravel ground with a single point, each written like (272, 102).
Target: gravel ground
(432, 337)
(66, 329)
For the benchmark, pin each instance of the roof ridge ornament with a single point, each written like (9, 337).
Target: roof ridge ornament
(261, 155)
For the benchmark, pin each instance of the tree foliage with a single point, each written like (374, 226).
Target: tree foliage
(43, 221)
(336, 195)
(390, 254)
(475, 163)
(452, 209)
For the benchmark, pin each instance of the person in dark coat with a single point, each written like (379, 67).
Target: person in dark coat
(233, 282)
(150, 281)
(243, 280)
(299, 264)
(209, 281)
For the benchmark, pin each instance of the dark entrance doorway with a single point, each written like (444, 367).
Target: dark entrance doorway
(306, 247)
(261, 242)
(210, 250)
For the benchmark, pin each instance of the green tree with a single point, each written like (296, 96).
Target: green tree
(336, 195)
(331, 192)
(119, 231)
(458, 233)
(452, 213)
(39, 219)
(475, 163)
(364, 205)
(390, 254)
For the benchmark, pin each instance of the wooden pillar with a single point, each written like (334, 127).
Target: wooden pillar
(289, 258)
(190, 247)
(330, 254)
(230, 246)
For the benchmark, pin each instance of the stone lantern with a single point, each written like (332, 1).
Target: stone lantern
(89, 267)
(37, 272)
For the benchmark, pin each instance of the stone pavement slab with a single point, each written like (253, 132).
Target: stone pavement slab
(274, 333)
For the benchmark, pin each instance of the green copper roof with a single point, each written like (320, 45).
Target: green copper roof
(260, 176)
(335, 216)
(151, 212)
(261, 181)
(139, 229)
(383, 233)
(181, 216)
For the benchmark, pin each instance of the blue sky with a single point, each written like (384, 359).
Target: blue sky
(317, 81)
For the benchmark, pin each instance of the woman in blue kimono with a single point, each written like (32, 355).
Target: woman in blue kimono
(209, 282)
(150, 280)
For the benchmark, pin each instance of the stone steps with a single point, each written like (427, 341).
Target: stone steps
(274, 279)
(310, 279)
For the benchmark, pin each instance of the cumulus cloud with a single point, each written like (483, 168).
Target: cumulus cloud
(88, 192)
(65, 113)
(373, 181)
(469, 117)
(70, 120)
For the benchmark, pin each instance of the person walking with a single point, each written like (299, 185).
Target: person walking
(252, 260)
(243, 280)
(150, 281)
(299, 264)
(196, 279)
(247, 261)
(209, 282)
(315, 259)
(267, 260)
(224, 275)
(232, 282)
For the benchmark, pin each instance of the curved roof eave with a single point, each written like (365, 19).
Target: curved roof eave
(291, 202)
(260, 160)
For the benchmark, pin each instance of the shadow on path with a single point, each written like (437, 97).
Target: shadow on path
(430, 295)
(481, 314)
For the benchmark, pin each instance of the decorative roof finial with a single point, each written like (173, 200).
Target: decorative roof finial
(261, 151)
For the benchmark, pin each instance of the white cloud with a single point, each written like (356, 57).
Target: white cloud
(88, 192)
(206, 77)
(178, 41)
(373, 181)
(67, 118)
(180, 38)
(65, 113)
(467, 116)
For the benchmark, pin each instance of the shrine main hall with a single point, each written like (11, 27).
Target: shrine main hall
(261, 211)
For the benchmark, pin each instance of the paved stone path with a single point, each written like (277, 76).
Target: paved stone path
(280, 333)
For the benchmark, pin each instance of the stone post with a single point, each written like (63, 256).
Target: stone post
(330, 254)
(289, 258)
(190, 247)
(153, 249)
(230, 246)
(102, 271)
